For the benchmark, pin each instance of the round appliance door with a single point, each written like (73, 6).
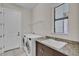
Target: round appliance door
(28, 47)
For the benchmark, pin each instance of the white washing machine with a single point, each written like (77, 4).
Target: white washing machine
(30, 44)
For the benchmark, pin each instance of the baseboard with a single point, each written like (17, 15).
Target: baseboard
(11, 49)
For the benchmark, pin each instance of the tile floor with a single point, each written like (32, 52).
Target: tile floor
(14, 52)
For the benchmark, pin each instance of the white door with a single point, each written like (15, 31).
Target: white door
(12, 28)
(1, 29)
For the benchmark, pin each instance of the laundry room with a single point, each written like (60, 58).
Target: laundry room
(39, 29)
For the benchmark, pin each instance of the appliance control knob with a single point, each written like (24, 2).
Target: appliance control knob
(29, 38)
(24, 35)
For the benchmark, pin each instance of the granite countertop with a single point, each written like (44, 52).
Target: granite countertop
(70, 49)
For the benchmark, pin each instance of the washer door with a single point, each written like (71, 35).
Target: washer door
(28, 46)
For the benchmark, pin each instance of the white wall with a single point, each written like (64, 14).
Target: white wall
(43, 21)
(26, 21)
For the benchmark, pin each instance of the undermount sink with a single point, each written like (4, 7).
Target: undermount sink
(54, 43)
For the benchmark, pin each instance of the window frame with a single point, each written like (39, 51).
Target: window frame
(61, 18)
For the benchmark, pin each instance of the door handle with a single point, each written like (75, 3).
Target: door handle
(0, 36)
(0, 24)
(0, 12)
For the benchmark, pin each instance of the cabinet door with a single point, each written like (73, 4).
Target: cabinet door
(42, 50)
(51, 52)
(39, 51)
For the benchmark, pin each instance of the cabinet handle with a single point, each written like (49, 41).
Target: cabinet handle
(42, 51)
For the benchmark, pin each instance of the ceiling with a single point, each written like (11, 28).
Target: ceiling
(27, 5)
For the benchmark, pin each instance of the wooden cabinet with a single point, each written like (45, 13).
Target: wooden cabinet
(43, 50)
